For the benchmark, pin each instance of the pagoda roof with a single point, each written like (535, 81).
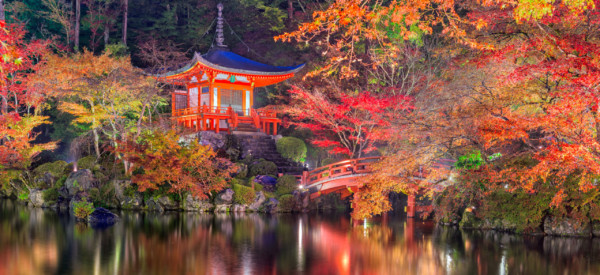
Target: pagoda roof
(224, 61)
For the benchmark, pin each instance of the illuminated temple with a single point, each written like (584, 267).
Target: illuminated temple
(219, 90)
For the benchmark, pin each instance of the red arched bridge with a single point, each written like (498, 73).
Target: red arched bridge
(343, 178)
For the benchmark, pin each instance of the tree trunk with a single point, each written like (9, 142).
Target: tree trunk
(2, 16)
(106, 34)
(77, 20)
(290, 11)
(4, 105)
(125, 9)
(96, 142)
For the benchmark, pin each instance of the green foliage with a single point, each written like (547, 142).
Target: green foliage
(292, 148)
(242, 171)
(7, 176)
(263, 167)
(286, 184)
(86, 163)
(82, 209)
(470, 161)
(61, 181)
(243, 194)
(23, 196)
(286, 203)
(50, 195)
(522, 210)
(55, 168)
(117, 50)
(258, 187)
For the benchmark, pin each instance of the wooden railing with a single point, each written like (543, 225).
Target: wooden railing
(338, 169)
(207, 118)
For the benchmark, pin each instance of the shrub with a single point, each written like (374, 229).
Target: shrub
(258, 187)
(8, 176)
(86, 163)
(286, 203)
(242, 171)
(292, 148)
(263, 167)
(286, 184)
(51, 195)
(24, 196)
(83, 209)
(243, 194)
(56, 168)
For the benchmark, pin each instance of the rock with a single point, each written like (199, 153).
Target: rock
(102, 217)
(153, 205)
(499, 224)
(220, 208)
(270, 206)
(82, 180)
(45, 180)
(259, 199)
(216, 141)
(135, 202)
(192, 203)
(277, 137)
(267, 182)
(225, 197)
(596, 228)
(168, 203)
(567, 227)
(470, 221)
(35, 198)
(302, 201)
(119, 186)
(238, 208)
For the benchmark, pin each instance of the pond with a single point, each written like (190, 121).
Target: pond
(36, 241)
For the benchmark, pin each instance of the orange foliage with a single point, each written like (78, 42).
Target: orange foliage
(164, 159)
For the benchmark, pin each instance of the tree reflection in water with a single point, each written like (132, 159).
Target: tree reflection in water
(34, 241)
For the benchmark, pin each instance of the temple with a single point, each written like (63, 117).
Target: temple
(219, 89)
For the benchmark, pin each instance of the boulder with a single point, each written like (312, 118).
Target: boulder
(238, 208)
(135, 202)
(101, 217)
(168, 203)
(259, 199)
(270, 206)
(499, 224)
(220, 208)
(45, 180)
(267, 182)
(225, 197)
(470, 221)
(35, 198)
(214, 140)
(193, 203)
(82, 180)
(567, 227)
(596, 228)
(119, 186)
(153, 205)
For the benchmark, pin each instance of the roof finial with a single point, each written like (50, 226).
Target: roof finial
(220, 39)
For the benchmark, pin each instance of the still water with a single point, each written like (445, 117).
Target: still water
(35, 241)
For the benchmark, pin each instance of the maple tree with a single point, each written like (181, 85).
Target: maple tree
(348, 125)
(104, 91)
(20, 112)
(182, 166)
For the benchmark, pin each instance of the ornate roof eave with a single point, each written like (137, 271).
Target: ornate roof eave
(198, 59)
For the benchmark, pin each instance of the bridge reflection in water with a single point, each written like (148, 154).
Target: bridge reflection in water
(34, 241)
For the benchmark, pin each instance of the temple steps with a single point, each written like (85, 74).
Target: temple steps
(263, 146)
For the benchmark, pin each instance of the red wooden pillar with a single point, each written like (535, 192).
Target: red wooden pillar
(274, 128)
(410, 207)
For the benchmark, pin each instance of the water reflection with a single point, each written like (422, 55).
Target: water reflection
(34, 241)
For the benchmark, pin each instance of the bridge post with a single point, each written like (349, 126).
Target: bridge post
(410, 207)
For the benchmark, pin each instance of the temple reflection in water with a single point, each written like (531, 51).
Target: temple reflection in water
(35, 241)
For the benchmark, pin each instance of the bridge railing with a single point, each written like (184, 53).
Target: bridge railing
(339, 169)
